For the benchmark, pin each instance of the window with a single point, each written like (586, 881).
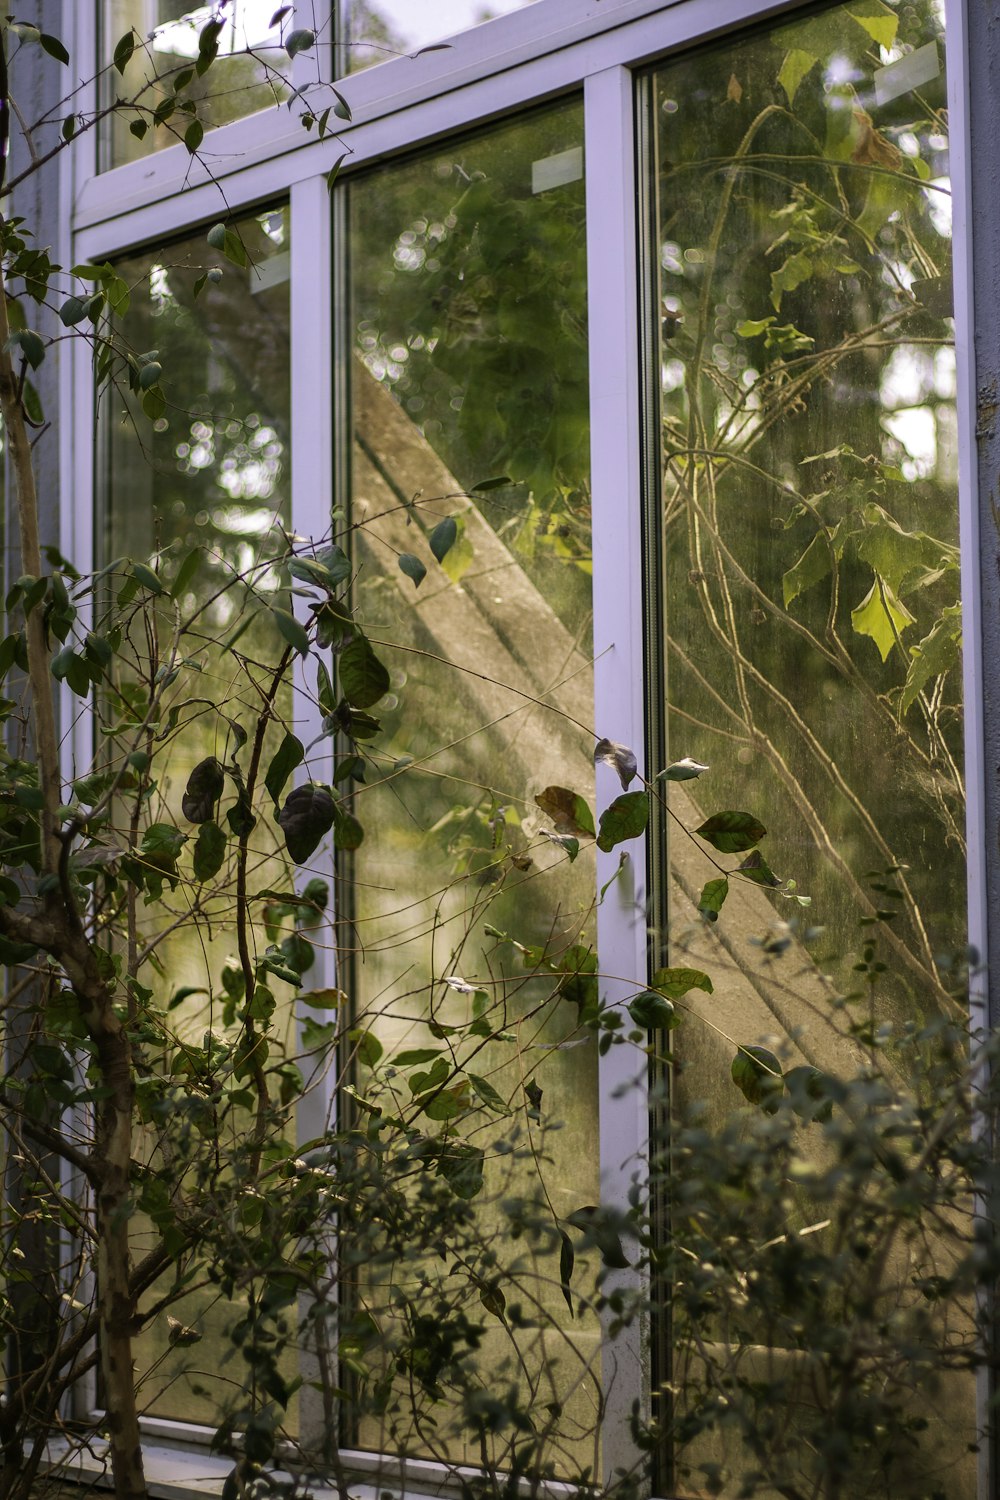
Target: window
(619, 357)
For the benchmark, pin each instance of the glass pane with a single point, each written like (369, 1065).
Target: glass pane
(249, 74)
(211, 474)
(471, 927)
(810, 535)
(374, 30)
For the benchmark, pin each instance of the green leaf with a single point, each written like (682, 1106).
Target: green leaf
(31, 401)
(566, 841)
(412, 567)
(186, 572)
(905, 559)
(751, 328)
(712, 897)
(443, 537)
(599, 1227)
(415, 1055)
(809, 1091)
(567, 1258)
(147, 578)
(500, 482)
(756, 868)
(626, 818)
(30, 344)
(461, 1166)
(329, 999)
(882, 616)
(756, 1072)
(460, 557)
(363, 678)
(298, 953)
(288, 755)
(291, 629)
(228, 241)
(194, 135)
(123, 50)
(73, 310)
(789, 275)
(881, 28)
(793, 70)
(299, 41)
(203, 790)
(154, 403)
(347, 831)
(368, 1047)
(936, 654)
(341, 109)
(812, 567)
(485, 1091)
(568, 811)
(240, 816)
(731, 832)
(209, 851)
(653, 1012)
(677, 982)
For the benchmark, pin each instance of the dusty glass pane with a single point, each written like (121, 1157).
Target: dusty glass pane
(810, 536)
(250, 73)
(210, 476)
(471, 928)
(374, 30)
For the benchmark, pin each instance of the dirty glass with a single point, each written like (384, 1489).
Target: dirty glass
(208, 479)
(374, 30)
(250, 73)
(812, 616)
(472, 929)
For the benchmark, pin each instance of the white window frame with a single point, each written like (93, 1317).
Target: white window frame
(548, 49)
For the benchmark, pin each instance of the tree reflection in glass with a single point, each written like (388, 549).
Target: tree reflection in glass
(472, 930)
(810, 539)
(209, 478)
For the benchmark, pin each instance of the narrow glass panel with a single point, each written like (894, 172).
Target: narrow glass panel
(249, 74)
(472, 930)
(374, 30)
(210, 476)
(811, 590)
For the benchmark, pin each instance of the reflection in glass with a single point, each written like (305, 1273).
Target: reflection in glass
(471, 929)
(212, 473)
(249, 74)
(374, 30)
(810, 537)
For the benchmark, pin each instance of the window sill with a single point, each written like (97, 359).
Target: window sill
(172, 1474)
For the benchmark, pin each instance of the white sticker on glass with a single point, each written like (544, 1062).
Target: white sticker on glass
(907, 73)
(556, 171)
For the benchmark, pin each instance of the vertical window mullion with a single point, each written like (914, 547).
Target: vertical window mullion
(312, 498)
(616, 470)
(977, 568)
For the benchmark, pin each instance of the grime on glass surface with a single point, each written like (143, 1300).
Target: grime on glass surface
(374, 30)
(810, 541)
(250, 73)
(472, 929)
(209, 482)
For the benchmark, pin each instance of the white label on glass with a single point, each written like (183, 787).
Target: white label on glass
(907, 73)
(556, 171)
(270, 272)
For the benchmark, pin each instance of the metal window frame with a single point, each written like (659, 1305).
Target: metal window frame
(538, 53)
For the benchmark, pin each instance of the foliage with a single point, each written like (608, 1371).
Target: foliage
(826, 1276)
(413, 1263)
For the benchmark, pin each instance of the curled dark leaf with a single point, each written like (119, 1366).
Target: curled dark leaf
(203, 790)
(305, 819)
(619, 757)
